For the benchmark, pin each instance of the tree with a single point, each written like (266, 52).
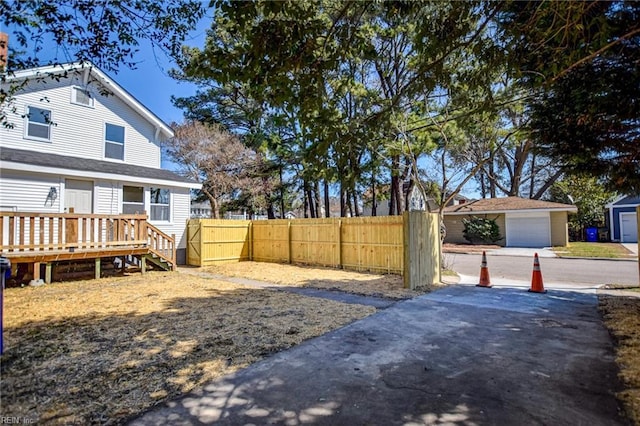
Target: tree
(106, 33)
(340, 80)
(589, 195)
(215, 158)
(584, 109)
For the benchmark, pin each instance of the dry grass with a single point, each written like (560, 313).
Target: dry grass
(388, 286)
(468, 248)
(99, 352)
(622, 316)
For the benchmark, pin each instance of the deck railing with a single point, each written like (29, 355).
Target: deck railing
(162, 245)
(24, 232)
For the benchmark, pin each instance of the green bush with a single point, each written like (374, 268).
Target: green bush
(478, 230)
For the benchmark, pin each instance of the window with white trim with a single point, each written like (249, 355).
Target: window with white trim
(114, 141)
(132, 199)
(81, 97)
(38, 123)
(160, 204)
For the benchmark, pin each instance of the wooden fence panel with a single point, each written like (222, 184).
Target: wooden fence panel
(271, 241)
(315, 242)
(216, 241)
(373, 244)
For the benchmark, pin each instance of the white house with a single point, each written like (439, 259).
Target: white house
(76, 139)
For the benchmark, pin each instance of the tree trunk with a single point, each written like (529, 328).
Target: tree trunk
(343, 207)
(327, 207)
(282, 212)
(374, 201)
(394, 184)
(355, 204)
(316, 199)
(271, 214)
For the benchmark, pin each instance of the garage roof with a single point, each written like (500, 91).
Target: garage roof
(507, 204)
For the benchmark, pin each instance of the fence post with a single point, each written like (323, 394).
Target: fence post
(421, 249)
(289, 241)
(250, 237)
(339, 244)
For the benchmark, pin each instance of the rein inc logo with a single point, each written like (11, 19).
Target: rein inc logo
(8, 420)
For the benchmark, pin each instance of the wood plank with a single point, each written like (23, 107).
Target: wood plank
(41, 222)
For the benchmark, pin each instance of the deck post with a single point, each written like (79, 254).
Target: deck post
(48, 272)
(36, 271)
(97, 268)
(143, 264)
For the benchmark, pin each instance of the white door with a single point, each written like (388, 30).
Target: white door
(528, 230)
(628, 227)
(78, 194)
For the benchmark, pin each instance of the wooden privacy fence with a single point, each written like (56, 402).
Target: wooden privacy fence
(388, 244)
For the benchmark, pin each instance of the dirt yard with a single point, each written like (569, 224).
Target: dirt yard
(621, 314)
(102, 351)
(388, 286)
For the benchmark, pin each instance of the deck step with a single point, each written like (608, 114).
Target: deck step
(158, 262)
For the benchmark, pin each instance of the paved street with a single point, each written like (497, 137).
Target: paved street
(575, 272)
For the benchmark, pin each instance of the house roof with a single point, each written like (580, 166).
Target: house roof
(53, 163)
(507, 204)
(109, 84)
(625, 200)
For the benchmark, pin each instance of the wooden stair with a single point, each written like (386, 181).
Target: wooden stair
(158, 262)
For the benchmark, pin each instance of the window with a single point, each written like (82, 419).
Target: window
(132, 199)
(39, 123)
(81, 97)
(114, 141)
(160, 204)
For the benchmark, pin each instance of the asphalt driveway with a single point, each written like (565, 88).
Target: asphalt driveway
(461, 355)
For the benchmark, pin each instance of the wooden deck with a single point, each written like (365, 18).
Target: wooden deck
(46, 238)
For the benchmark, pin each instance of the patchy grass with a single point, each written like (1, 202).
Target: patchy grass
(621, 315)
(603, 250)
(101, 351)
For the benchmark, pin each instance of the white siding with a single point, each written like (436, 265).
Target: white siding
(180, 210)
(108, 197)
(79, 130)
(21, 192)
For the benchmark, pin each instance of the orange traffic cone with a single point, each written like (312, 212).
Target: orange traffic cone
(484, 273)
(536, 278)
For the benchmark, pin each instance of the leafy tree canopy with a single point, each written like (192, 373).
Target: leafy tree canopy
(581, 61)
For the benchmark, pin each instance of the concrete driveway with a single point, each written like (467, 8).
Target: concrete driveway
(462, 355)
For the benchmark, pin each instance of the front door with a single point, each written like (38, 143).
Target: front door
(78, 194)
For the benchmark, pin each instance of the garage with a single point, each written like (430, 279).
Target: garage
(522, 222)
(628, 227)
(528, 230)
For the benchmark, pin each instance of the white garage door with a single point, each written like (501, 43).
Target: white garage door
(628, 227)
(528, 231)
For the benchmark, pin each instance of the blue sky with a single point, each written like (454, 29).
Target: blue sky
(150, 82)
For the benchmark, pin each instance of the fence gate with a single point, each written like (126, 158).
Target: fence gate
(194, 243)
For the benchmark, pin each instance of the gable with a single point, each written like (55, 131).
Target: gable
(629, 200)
(83, 75)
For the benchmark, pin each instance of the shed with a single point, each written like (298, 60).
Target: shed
(523, 222)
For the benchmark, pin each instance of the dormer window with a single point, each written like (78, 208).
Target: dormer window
(38, 123)
(81, 97)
